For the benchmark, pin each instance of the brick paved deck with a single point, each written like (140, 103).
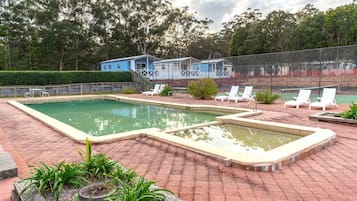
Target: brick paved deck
(330, 174)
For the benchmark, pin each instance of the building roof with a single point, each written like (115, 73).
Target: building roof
(133, 58)
(212, 60)
(177, 60)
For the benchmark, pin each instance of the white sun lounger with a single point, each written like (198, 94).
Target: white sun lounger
(232, 93)
(155, 91)
(246, 96)
(327, 99)
(303, 98)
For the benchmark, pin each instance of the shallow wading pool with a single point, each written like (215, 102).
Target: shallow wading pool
(237, 139)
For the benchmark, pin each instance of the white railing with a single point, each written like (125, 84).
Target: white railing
(148, 73)
(185, 74)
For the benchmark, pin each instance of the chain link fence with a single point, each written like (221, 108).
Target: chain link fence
(314, 68)
(284, 71)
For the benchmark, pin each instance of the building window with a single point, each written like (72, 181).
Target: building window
(163, 67)
(104, 67)
(140, 66)
(109, 66)
(118, 66)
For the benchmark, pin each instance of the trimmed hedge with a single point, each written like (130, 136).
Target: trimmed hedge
(64, 77)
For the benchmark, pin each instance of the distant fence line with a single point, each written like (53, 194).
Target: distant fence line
(291, 69)
(71, 89)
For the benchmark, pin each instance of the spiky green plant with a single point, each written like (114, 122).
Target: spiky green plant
(139, 191)
(98, 165)
(51, 179)
(350, 113)
(121, 174)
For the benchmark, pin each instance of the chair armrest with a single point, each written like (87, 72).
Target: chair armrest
(295, 97)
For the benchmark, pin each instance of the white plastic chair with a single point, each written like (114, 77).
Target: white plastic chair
(303, 98)
(232, 93)
(246, 96)
(327, 99)
(45, 93)
(157, 89)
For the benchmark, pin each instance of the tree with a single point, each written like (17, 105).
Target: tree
(310, 33)
(246, 36)
(341, 25)
(277, 28)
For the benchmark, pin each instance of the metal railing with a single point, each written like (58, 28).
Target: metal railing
(70, 89)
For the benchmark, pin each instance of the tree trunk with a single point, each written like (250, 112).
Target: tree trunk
(61, 60)
(77, 55)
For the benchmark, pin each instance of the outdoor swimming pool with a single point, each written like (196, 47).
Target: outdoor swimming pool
(82, 119)
(237, 139)
(103, 117)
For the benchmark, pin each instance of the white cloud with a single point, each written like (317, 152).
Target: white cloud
(224, 10)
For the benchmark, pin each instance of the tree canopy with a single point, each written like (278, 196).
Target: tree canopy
(283, 31)
(77, 34)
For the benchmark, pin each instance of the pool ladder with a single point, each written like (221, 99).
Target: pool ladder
(254, 104)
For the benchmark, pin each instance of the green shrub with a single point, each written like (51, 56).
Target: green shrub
(129, 90)
(166, 91)
(266, 97)
(350, 113)
(64, 77)
(203, 88)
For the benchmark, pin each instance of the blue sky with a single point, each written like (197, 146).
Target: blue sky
(224, 10)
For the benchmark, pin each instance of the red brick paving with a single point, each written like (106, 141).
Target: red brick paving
(330, 174)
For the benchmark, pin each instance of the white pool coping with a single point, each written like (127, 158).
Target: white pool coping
(314, 138)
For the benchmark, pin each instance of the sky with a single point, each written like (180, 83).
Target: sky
(224, 10)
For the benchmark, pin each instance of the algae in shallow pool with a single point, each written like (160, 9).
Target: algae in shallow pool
(237, 138)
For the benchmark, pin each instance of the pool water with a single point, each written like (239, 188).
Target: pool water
(103, 117)
(234, 138)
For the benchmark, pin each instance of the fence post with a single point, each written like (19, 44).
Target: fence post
(320, 73)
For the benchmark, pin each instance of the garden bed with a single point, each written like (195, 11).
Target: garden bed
(68, 194)
(96, 178)
(332, 117)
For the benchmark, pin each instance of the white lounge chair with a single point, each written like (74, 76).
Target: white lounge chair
(232, 93)
(162, 87)
(153, 92)
(303, 98)
(45, 93)
(246, 96)
(327, 99)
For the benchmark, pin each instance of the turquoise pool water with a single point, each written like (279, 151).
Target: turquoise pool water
(234, 138)
(103, 117)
